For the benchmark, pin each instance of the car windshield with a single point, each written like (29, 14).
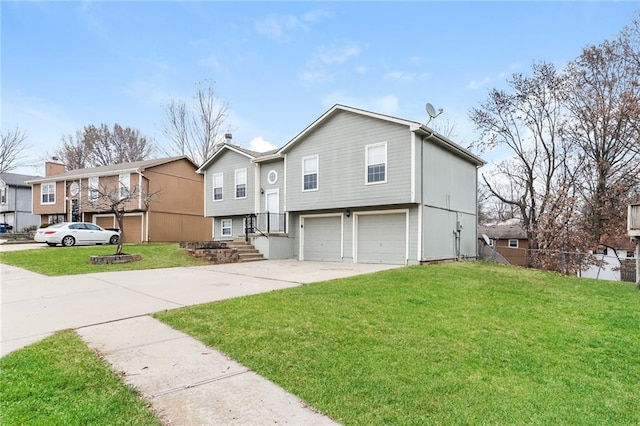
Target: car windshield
(56, 225)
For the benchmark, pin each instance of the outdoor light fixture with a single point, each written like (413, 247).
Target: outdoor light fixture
(262, 191)
(347, 213)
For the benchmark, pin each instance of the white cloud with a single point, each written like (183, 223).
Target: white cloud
(316, 76)
(260, 145)
(316, 15)
(475, 84)
(279, 26)
(400, 76)
(386, 104)
(337, 53)
(361, 69)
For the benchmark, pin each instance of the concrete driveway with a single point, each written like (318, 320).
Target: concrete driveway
(34, 306)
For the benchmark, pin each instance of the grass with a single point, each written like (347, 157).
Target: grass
(460, 343)
(75, 260)
(59, 381)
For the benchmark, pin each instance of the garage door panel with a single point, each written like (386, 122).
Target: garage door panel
(132, 229)
(322, 239)
(382, 238)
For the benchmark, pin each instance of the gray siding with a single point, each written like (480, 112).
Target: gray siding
(236, 231)
(227, 163)
(265, 168)
(439, 240)
(449, 182)
(340, 145)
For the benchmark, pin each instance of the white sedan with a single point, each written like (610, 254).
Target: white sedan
(76, 234)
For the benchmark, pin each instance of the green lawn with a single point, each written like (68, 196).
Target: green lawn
(59, 381)
(458, 343)
(75, 260)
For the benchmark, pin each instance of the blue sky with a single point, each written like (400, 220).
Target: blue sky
(280, 65)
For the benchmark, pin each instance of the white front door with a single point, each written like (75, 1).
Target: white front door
(272, 199)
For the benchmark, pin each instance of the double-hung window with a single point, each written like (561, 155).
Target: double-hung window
(226, 226)
(310, 173)
(241, 183)
(3, 195)
(217, 187)
(94, 192)
(513, 243)
(48, 193)
(125, 185)
(376, 163)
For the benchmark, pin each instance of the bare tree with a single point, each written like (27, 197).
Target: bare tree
(195, 129)
(525, 120)
(102, 146)
(12, 150)
(604, 122)
(118, 199)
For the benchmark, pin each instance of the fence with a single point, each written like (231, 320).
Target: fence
(587, 265)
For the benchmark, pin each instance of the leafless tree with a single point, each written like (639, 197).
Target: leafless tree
(603, 102)
(102, 146)
(196, 128)
(525, 120)
(14, 144)
(116, 198)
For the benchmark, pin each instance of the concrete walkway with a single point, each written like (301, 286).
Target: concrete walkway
(186, 382)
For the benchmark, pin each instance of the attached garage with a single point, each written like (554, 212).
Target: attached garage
(133, 229)
(322, 238)
(381, 238)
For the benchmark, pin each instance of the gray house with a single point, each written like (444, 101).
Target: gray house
(354, 186)
(15, 202)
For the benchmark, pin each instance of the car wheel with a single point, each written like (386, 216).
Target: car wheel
(114, 239)
(51, 244)
(68, 241)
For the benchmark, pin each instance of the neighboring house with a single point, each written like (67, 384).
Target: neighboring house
(509, 239)
(354, 186)
(15, 202)
(175, 213)
(617, 261)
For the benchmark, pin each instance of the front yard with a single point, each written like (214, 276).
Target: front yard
(462, 343)
(457, 343)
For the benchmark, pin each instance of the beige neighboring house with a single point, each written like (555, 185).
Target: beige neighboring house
(174, 215)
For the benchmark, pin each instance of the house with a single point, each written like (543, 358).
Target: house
(354, 186)
(15, 202)
(509, 239)
(175, 213)
(616, 258)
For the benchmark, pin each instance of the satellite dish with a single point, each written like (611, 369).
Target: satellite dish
(486, 239)
(431, 110)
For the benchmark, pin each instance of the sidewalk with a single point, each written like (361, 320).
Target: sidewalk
(189, 383)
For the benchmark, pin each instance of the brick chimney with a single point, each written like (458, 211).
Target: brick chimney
(51, 168)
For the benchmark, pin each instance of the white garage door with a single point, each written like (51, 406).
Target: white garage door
(322, 238)
(382, 238)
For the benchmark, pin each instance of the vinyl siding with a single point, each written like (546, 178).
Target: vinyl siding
(340, 145)
(226, 164)
(265, 168)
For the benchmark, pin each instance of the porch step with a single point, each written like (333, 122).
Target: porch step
(247, 252)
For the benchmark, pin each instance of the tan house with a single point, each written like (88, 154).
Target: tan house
(174, 213)
(509, 239)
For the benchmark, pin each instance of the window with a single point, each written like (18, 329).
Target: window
(376, 163)
(217, 187)
(227, 227)
(48, 191)
(310, 173)
(125, 185)
(241, 183)
(272, 177)
(513, 243)
(93, 188)
(3, 195)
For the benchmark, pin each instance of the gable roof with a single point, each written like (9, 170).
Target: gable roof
(414, 126)
(503, 231)
(15, 179)
(133, 167)
(251, 155)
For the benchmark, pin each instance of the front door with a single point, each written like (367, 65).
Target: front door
(273, 210)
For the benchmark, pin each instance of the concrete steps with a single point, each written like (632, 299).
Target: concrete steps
(246, 252)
